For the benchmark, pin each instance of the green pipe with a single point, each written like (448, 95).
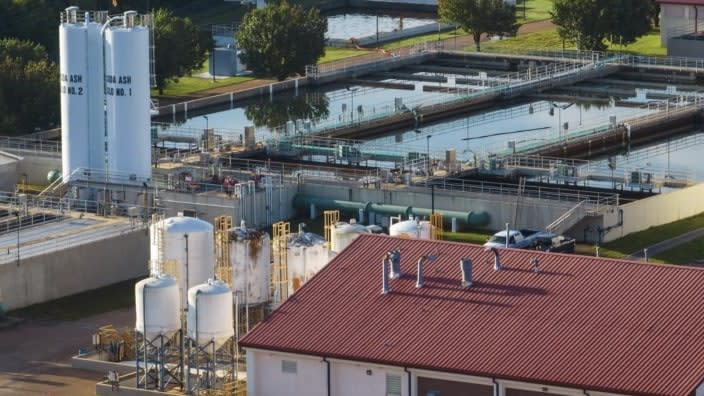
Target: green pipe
(391, 210)
(304, 202)
(464, 218)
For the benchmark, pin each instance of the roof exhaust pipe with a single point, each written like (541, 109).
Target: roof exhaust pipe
(421, 262)
(466, 267)
(497, 260)
(385, 289)
(395, 257)
(535, 264)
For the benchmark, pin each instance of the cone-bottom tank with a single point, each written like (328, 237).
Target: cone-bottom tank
(157, 306)
(210, 313)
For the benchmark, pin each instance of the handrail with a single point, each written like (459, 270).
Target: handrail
(563, 218)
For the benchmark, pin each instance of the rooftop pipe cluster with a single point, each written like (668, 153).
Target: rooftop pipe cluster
(391, 268)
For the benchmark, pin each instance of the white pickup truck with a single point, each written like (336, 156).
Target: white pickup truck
(518, 239)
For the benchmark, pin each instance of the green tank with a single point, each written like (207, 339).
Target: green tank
(53, 175)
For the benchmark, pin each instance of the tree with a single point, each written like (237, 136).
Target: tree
(29, 85)
(480, 16)
(588, 23)
(180, 47)
(308, 106)
(280, 40)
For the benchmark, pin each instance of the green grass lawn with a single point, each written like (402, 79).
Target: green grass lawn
(477, 237)
(333, 54)
(77, 306)
(686, 253)
(549, 39)
(190, 85)
(535, 10)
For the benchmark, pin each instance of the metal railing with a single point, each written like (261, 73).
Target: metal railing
(33, 145)
(556, 225)
(596, 199)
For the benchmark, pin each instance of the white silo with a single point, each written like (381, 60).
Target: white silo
(344, 233)
(127, 97)
(73, 76)
(307, 254)
(210, 315)
(157, 306)
(411, 228)
(183, 247)
(250, 255)
(96, 90)
(81, 78)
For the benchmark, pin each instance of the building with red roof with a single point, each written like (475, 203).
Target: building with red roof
(544, 323)
(683, 19)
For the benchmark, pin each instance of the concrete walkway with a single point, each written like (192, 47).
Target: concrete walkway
(668, 244)
(372, 54)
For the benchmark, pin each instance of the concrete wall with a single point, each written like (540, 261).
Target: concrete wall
(8, 175)
(73, 270)
(36, 166)
(654, 211)
(533, 213)
(679, 46)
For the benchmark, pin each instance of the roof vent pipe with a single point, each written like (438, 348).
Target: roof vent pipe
(395, 257)
(419, 281)
(385, 275)
(497, 260)
(466, 267)
(535, 264)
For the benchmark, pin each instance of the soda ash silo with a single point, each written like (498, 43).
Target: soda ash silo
(127, 96)
(81, 90)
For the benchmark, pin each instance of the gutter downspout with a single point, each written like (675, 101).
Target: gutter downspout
(497, 387)
(410, 391)
(329, 387)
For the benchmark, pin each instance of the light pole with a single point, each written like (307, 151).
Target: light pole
(18, 237)
(427, 148)
(206, 122)
(352, 91)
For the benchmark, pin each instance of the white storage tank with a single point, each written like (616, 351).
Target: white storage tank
(157, 303)
(73, 76)
(411, 228)
(128, 100)
(250, 254)
(96, 90)
(210, 313)
(344, 233)
(307, 254)
(187, 246)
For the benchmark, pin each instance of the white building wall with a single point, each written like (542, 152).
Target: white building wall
(357, 378)
(265, 376)
(676, 20)
(700, 390)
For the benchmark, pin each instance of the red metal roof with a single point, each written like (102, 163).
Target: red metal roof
(584, 322)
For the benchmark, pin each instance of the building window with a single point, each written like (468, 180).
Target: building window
(289, 366)
(393, 385)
